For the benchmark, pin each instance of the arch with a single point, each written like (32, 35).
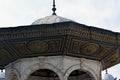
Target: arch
(16, 72)
(14, 75)
(43, 74)
(78, 67)
(38, 66)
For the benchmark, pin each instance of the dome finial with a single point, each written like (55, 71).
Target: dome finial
(54, 9)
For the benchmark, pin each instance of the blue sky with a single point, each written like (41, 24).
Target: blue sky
(2, 75)
(99, 13)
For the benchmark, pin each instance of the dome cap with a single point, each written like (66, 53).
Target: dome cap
(50, 20)
(108, 77)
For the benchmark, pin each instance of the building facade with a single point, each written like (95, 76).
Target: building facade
(56, 48)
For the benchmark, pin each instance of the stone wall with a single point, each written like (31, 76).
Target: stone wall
(63, 66)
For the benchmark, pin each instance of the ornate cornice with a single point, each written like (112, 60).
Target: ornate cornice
(66, 38)
(69, 28)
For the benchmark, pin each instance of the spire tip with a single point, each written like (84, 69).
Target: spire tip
(54, 8)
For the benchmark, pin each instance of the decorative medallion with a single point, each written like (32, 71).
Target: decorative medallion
(89, 49)
(37, 46)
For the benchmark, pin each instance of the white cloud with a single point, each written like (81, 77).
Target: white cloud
(90, 12)
(102, 13)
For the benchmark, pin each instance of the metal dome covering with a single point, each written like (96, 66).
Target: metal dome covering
(108, 77)
(50, 20)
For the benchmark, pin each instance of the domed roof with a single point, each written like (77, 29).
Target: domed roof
(50, 20)
(108, 77)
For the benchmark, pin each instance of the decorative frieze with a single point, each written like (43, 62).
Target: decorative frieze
(64, 29)
(111, 60)
(88, 49)
(68, 38)
(36, 47)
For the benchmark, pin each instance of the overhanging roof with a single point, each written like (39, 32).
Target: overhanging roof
(66, 38)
